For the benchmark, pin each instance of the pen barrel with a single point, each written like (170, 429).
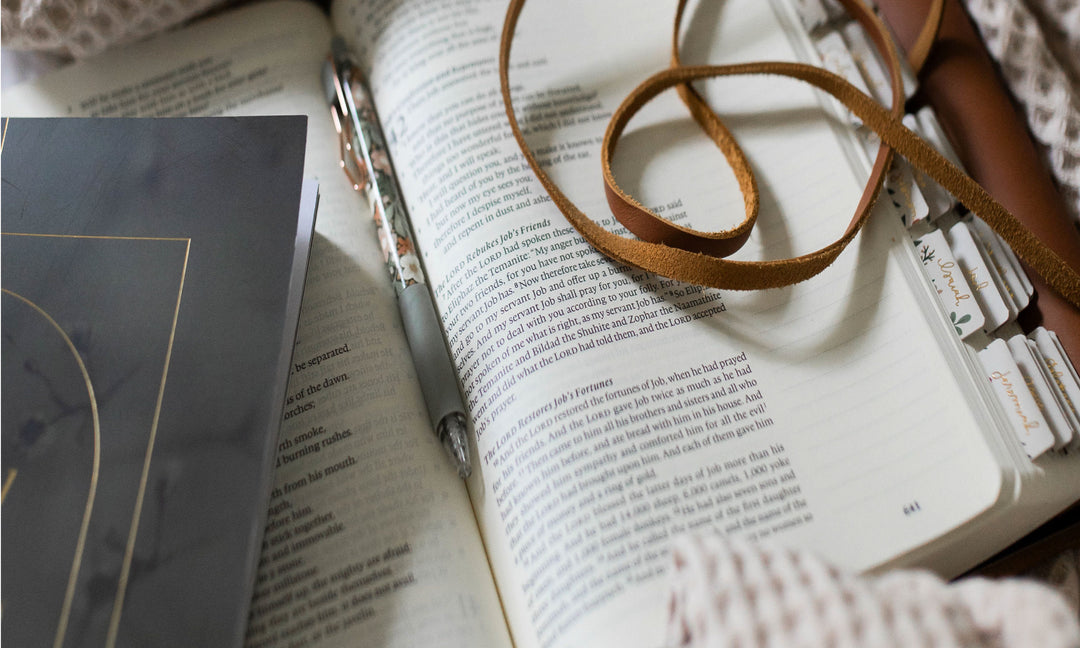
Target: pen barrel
(436, 375)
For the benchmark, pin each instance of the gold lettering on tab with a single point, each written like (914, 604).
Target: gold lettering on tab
(1010, 392)
(946, 268)
(1052, 364)
(973, 278)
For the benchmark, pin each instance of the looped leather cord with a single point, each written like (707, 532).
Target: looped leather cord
(648, 225)
(690, 265)
(651, 227)
(803, 267)
(920, 49)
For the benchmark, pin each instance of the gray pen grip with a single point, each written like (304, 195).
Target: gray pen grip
(430, 356)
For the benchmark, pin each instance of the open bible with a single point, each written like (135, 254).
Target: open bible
(612, 410)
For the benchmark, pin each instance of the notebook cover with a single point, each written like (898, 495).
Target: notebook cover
(150, 274)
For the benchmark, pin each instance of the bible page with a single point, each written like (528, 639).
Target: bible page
(615, 410)
(370, 538)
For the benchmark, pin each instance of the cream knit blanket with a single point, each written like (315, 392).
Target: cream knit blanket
(726, 593)
(82, 28)
(1037, 46)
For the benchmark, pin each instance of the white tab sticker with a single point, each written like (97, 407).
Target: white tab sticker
(996, 306)
(999, 279)
(948, 279)
(1040, 390)
(836, 58)
(812, 14)
(1064, 404)
(938, 200)
(1015, 398)
(869, 62)
(1061, 370)
(835, 10)
(902, 194)
(1016, 283)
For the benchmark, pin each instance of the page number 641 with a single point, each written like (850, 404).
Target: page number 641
(911, 508)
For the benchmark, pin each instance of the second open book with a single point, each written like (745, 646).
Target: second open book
(612, 410)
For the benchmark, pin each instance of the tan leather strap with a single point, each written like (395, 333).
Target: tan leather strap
(680, 256)
(920, 49)
(651, 227)
(648, 226)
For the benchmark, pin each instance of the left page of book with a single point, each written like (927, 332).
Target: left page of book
(370, 535)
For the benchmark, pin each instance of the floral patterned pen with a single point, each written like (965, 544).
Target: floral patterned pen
(367, 164)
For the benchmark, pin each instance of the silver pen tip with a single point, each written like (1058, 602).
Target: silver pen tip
(454, 436)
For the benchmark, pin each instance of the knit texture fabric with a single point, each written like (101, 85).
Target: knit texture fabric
(727, 593)
(1037, 46)
(81, 28)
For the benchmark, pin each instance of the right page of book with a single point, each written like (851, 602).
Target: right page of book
(370, 539)
(614, 409)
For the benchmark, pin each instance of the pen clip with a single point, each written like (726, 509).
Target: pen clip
(351, 161)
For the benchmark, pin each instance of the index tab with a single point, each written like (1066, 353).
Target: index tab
(1016, 399)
